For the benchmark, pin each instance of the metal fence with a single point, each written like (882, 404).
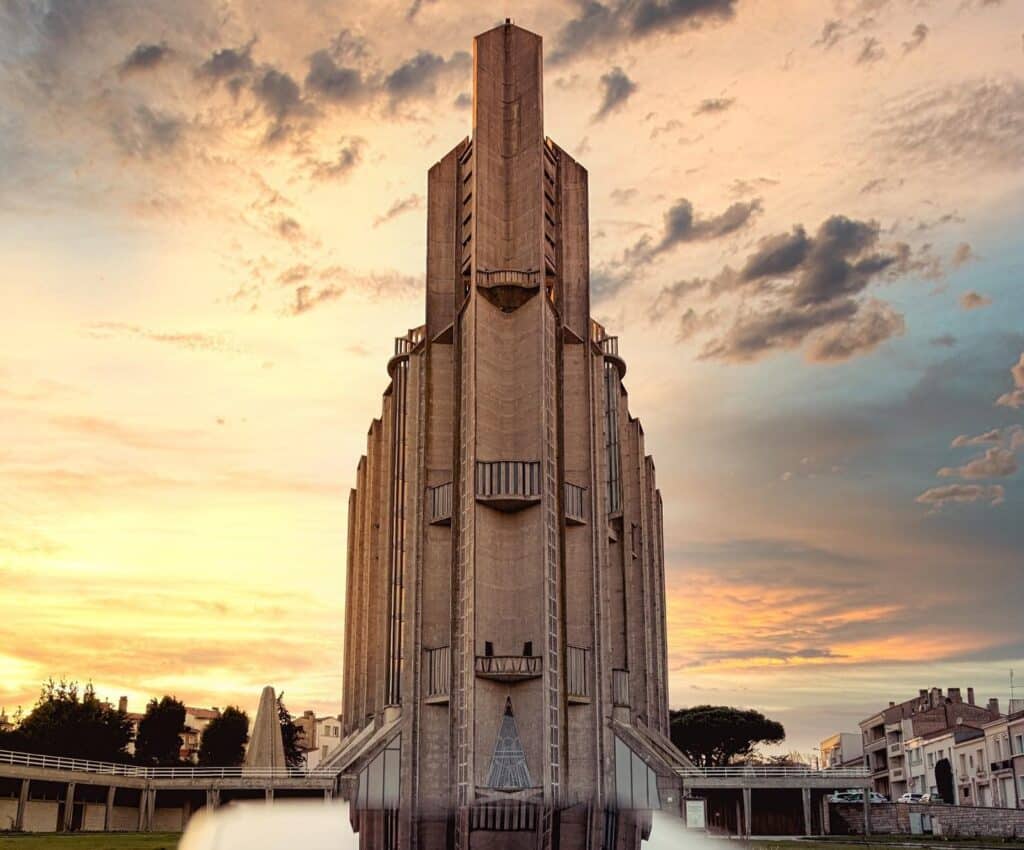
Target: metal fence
(766, 771)
(114, 769)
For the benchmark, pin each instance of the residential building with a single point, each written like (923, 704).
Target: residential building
(886, 733)
(505, 609)
(1015, 730)
(970, 764)
(321, 737)
(844, 749)
(196, 720)
(999, 748)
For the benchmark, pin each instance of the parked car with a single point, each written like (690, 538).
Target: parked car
(931, 798)
(911, 797)
(856, 795)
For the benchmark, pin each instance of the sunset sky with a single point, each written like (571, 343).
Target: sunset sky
(805, 227)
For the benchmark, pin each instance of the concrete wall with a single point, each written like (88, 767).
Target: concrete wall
(894, 819)
(8, 812)
(41, 816)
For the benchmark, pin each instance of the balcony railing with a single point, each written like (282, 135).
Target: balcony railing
(508, 484)
(575, 504)
(620, 687)
(577, 672)
(528, 278)
(439, 504)
(1004, 764)
(772, 771)
(114, 769)
(438, 670)
(609, 345)
(508, 668)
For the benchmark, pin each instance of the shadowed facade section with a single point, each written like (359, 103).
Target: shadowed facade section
(505, 552)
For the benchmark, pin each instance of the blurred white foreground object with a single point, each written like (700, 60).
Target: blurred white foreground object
(284, 825)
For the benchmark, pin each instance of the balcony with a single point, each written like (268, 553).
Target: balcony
(439, 504)
(575, 500)
(876, 744)
(577, 673)
(620, 687)
(438, 668)
(508, 668)
(896, 749)
(1005, 764)
(508, 485)
(896, 773)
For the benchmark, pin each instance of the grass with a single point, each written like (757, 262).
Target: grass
(90, 841)
(856, 843)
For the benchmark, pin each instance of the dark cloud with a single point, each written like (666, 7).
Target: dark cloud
(399, 207)
(973, 300)
(712, 105)
(832, 32)
(937, 497)
(288, 228)
(282, 101)
(871, 51)
(943, 341)
(144, 57)
(146, 132)
(617, 88)
(228, 62)
(794, 288)
(463, 101)
(619, 22)
(623, 196)
(306, 298)
(683, 225)
(917, 38)
(976, 124)
(350, 154)
(997, 462)
(332, 81)
(874, 323)
(418, 78)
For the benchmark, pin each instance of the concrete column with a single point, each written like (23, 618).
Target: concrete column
(69, 807)
(739, 820)
(268, 795)
(748, 814)
(826, 817)
(19, 818)
(327, 795)
(805, 793)
(212, 798)
(150, 808)
(867, 811)
(108, 814)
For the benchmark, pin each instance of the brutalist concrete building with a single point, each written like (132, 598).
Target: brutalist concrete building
(505, 656)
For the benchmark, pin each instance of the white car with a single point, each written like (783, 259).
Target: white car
(855, 795)
(911, 797)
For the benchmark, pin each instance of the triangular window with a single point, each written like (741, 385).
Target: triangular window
(508, 765)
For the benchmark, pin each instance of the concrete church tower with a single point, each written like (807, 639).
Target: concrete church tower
(505, 652)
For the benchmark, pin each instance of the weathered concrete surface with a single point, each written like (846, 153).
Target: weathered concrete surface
(266, 747)
(955, 821)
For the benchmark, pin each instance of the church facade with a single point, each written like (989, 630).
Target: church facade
(505, 677)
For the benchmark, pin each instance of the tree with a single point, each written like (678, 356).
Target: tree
(224, 739)
(158, 741)
(711, 735)
(291, 735)
(944, 781)
(64, 723)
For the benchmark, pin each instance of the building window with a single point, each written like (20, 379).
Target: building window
(636, 785)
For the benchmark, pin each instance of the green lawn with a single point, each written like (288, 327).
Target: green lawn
(883, 842)
(90, 841)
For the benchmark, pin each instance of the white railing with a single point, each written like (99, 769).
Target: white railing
(114, 769)
(773, 771)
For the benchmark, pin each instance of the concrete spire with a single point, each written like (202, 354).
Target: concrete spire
(266, 746)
